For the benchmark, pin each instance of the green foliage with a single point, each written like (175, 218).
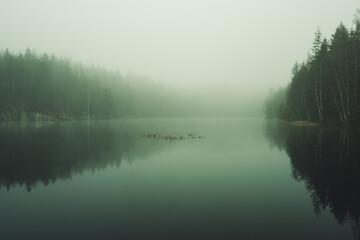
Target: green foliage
(31, 83)
(274, 106)
(326, 86)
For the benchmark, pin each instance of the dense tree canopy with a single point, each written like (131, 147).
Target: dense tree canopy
(32, 84)
(326, 86)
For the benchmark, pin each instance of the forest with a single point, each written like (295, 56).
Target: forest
(42, 87)
(324, 87)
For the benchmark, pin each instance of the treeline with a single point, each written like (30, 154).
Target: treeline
(274, 104)
(34, 86)
(325, 87)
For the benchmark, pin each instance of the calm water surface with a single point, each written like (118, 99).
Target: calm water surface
(247, 179)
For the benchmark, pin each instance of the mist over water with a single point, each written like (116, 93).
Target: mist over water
(144, 119)
(227, 54)
(107, 180)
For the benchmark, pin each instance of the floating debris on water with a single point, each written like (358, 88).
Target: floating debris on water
(172, 137)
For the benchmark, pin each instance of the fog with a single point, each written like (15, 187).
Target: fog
(226, 54)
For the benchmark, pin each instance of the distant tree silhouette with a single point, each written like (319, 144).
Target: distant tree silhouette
(32, 84)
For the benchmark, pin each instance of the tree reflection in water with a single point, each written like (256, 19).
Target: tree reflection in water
(327, 160)
(30, 153)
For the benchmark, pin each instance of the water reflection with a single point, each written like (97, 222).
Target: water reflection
(32, 153)
(327, 160)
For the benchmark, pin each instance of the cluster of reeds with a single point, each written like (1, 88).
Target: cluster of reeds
(171, 137)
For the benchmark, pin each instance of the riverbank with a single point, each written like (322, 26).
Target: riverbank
(304, 123)
(329, 123)
(38, 116)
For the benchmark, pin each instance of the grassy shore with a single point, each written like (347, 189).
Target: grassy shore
(305, 124)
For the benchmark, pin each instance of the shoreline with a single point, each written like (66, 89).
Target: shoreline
(330, 123)
(305, 124)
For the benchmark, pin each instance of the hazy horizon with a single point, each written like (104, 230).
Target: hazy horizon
(202, 119)
(230, 50)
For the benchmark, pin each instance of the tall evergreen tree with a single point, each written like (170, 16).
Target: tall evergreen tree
(326, 86)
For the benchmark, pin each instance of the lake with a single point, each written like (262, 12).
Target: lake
(244, 179)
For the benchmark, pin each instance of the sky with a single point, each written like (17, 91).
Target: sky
(240, 47)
